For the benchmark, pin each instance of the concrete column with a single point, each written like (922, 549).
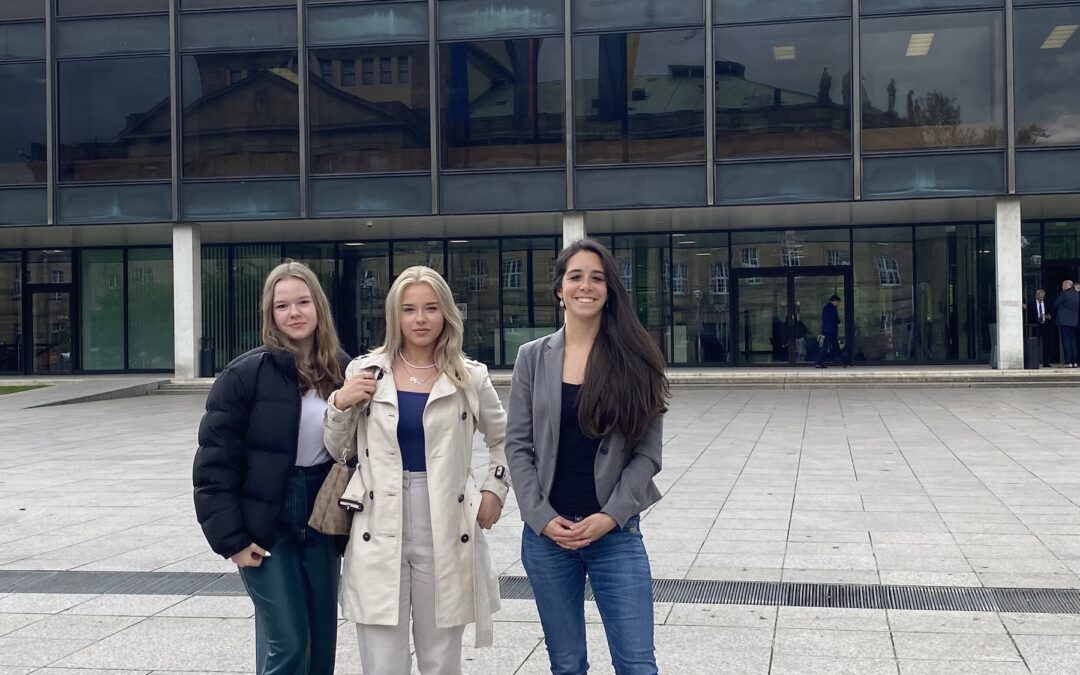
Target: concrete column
(573, 227)
(1010, 291)
(187, 299)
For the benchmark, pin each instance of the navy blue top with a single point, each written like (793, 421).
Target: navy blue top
(410, 429)
(573, 491)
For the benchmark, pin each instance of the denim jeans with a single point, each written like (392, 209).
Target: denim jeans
(617, 567)
(295, 590)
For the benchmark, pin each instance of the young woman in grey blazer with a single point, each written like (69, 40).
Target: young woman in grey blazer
(583, 440)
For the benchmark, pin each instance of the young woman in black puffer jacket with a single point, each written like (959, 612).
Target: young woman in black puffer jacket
(260, 463)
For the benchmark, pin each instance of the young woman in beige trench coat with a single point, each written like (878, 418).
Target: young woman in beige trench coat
(409, 411)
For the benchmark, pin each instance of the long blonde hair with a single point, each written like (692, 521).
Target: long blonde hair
(449, 357)
(322, 372)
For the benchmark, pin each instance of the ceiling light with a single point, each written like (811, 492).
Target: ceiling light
(687, 241)
(354, 243)
(919, 44)
(784, 52)
(705, 253)
(1058, 37)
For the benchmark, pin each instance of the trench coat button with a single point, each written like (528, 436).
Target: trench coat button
(464, 539)
(367, 536)
(368, 412)
(359, 507)
(366, 453)
(464, 415)
(603, 450)
(371, 494)
(460, 498)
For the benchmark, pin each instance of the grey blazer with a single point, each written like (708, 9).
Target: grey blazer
(624, 475)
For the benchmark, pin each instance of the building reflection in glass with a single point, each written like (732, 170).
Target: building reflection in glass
(778, 89)
(640, 97)
(114, 119)
(1047, 59)
(240, 115)
(502, 103)
(932, 81)
(369, 109)
(22, 123)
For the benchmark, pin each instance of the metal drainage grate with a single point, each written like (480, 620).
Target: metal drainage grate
(769, 593)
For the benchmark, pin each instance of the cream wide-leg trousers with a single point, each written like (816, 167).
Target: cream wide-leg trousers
(384, 650)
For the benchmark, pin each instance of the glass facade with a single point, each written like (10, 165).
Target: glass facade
(523, 109)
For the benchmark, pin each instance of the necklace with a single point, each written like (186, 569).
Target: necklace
(412, 378)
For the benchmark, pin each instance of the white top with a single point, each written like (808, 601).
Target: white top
(309, 443)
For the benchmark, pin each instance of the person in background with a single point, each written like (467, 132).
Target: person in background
(1039, 318)
(829, 349)
(1067, 317)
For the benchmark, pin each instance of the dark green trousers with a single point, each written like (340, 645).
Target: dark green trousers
(295, 589)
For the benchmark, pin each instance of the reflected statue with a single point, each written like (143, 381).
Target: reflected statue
(911, 105)
(891, 90)
(845, 88)
(825, 87)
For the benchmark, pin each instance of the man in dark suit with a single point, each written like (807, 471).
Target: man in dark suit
(1039, 319)
(1067, 313)
(830, 330)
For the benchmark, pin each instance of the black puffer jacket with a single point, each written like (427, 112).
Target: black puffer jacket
(247, 447)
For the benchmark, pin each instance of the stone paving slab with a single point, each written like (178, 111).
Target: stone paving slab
(970, 487)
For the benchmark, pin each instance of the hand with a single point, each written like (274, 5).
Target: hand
(356, 390)
(490, 510)
(590, 529)
(561, 531)
(252, 556)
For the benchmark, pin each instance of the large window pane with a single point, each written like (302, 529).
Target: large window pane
(945, 291)
(117, 203)
(609, 14)
(409, 253)
(701, 298)
(1047, 71)
(365, 278)
(240, 115)
(1061, 240)
(783, 89)
(90, 7)
(884, 308)
(528, 308)
(1048, 171)
(112, 36)
(644, 186)
(502, 103)
(367, 22)
(754, 10)
(371, 196)
(639, 97)
(22, 123)
(22, 41)
(114, 119)
(474, 279)
(933, 81)
(10, 313)
(464, 19)
(102, 309)
(233, 29)
(644, 265)
(942, 175)
(367, 124)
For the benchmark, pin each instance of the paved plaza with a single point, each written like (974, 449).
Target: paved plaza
(880, 487)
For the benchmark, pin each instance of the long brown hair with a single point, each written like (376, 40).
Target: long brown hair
(625, 388)
(322, 372)
(448, 355)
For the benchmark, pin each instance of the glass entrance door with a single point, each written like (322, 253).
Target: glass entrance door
(50, 332)
(778, 313)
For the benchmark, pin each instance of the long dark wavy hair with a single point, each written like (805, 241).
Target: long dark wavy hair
(625, 387)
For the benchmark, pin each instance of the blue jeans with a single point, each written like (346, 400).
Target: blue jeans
(295, 590)
(618, 570)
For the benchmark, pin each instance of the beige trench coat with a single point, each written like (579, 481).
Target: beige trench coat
(466, 585)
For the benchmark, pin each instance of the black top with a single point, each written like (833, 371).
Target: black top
(247, 450)
(573, 492)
